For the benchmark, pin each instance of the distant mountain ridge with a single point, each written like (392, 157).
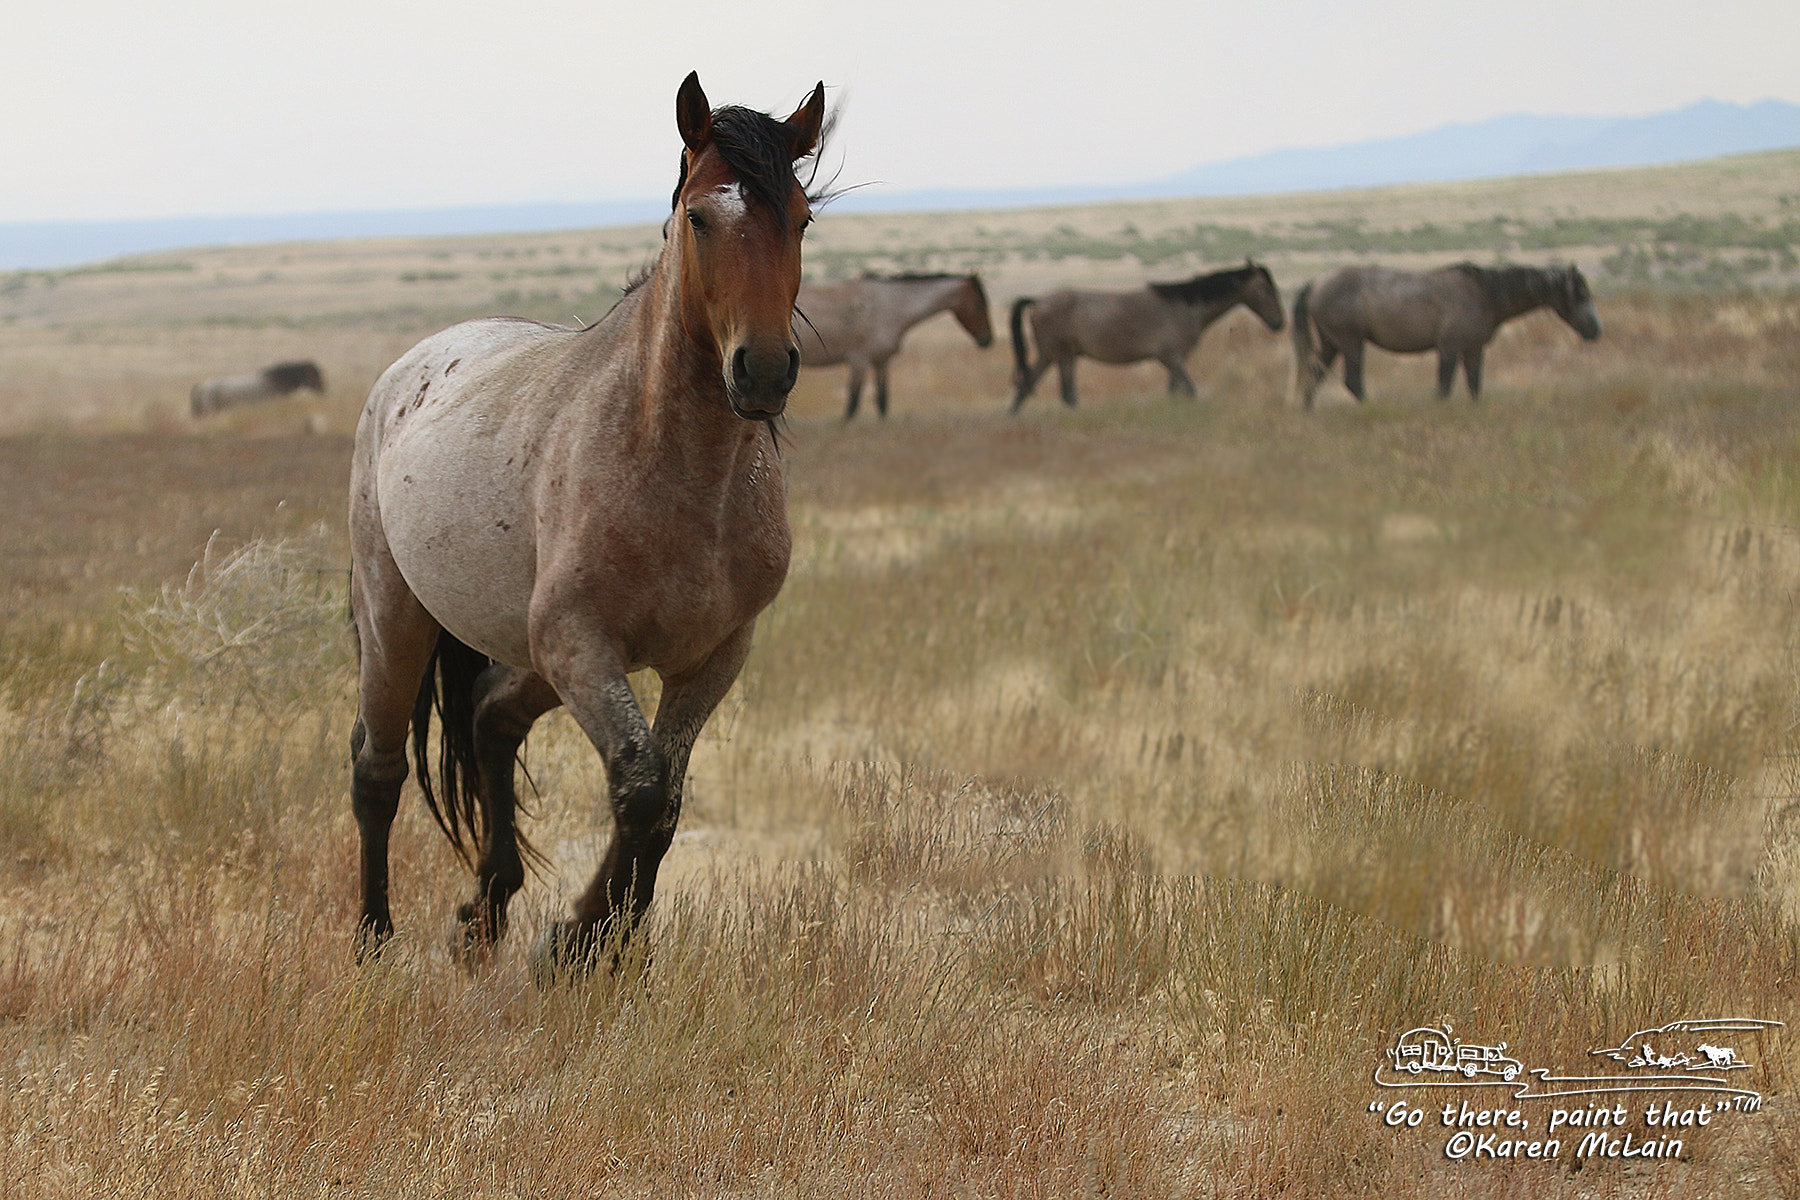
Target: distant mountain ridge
(1519, 144)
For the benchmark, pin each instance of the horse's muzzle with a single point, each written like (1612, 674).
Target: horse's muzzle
(759, 380)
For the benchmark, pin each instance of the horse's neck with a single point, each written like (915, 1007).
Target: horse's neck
(669, 392)
(1515, 293)
(1205, 312)
(921, 298)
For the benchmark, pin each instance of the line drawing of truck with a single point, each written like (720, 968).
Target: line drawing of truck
(1429, 1049)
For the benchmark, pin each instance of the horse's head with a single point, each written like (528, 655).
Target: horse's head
(1575, 304)
(1261, 296)
(739, 215)
(971, 311)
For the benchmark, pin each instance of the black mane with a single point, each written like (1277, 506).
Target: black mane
(759, 150)
(1545, 285)
(1204, 289)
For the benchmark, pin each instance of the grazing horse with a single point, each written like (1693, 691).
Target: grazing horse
(270, 383)
(537, 512)
(1163, 321)
(862, 322)
(1453, 310)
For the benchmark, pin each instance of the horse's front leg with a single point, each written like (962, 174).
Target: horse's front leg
(646, 770)
(507, 702)
(1180, 382)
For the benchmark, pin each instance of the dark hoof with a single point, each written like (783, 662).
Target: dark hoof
(566, 953)
(370, 939)
(473, 937)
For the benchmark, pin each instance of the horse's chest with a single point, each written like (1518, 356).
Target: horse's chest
(670, 592)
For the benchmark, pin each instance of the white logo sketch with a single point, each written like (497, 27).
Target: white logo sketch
(1640, 1049)
(1667, 1058)
(1428, 1049)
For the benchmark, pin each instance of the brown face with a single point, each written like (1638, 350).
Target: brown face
(740, 259)
(971, 312)
(1264, 299)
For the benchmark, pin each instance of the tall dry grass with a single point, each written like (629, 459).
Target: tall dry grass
(1106, 791)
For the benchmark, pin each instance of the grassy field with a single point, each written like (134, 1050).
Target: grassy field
(1108, 789)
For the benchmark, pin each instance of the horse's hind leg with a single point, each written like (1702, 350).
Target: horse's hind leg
(507, 702)
(1353, 370)
(1472, 368)
(1065, 377)
(395, 637)
(881, 391)
(1028, 382)
(856, 384)
(1313, 371)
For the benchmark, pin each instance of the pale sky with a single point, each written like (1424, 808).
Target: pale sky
(116, 109)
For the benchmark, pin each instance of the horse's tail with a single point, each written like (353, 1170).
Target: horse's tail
(1306, 356)
(1021, 355)
(449, 688)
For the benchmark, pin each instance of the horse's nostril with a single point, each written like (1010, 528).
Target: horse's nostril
(740, 367)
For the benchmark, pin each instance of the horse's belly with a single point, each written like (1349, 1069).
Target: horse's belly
(462, 536)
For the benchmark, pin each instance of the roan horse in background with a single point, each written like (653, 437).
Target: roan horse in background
(537, 512)
(1163, 321)
(861, 322)
(1453, 310)
(270, 383)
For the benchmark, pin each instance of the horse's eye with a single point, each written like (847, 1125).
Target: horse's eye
(697, 221)
(805, 223)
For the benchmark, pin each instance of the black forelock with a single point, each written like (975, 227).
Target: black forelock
(759, 149)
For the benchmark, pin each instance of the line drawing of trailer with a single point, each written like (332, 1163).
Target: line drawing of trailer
(1430, 1049)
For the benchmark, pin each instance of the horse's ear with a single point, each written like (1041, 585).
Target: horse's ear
(807, 120)
(693, 115)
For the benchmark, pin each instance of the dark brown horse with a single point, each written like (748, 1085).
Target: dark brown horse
(1453, 310)
(861, 322)
(537, 512)
(1163, 321)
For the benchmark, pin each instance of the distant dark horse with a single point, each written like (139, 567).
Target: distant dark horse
(1163, 321)
(270, 383)
(861, 322)
(1453, 310)
(537, 512)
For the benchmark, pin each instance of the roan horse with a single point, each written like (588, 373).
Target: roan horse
(1163, 321)
(270, 383)
(1453, 310)
(861, 322)
(536, 512)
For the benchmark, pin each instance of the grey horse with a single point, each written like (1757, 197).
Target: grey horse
(1453, 310)
(1162, 321)
(861, 322)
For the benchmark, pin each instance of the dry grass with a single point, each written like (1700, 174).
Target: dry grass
(1107, 790)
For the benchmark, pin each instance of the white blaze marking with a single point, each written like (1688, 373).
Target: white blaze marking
(729, 197)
